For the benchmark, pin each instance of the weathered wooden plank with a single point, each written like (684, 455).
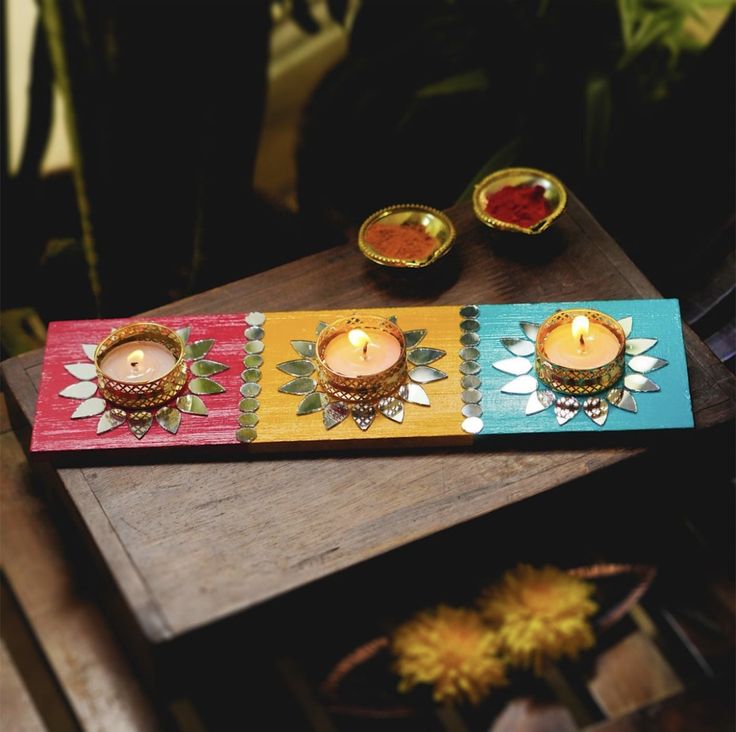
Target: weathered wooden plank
(81, 651)
(630, 675)
(190, 543)
(18, 712)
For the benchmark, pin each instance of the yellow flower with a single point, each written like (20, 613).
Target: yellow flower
(540, 615)
(451, 649)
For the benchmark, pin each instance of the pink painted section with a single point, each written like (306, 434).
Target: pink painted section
(54, 431)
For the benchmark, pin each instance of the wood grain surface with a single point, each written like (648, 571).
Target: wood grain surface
(189, 544)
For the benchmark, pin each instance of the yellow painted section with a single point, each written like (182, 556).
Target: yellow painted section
(279, 422)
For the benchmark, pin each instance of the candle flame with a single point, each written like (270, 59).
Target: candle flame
(135, 357)
(358, 338)
(580, 327)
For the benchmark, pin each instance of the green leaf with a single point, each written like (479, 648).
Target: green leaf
(597, 121)
(502, 158)
(468, 81)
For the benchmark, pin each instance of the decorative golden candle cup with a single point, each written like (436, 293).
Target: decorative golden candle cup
(143, 394)
(580, 381)
(367, 389)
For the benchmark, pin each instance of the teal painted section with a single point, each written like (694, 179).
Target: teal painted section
(665, 409)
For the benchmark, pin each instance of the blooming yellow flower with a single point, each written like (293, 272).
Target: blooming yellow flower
(451, 649)
(540, 615)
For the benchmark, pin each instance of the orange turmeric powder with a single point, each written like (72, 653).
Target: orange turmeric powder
(400, 242)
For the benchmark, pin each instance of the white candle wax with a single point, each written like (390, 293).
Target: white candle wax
(581, 344)
(138, 362)
(357, 356)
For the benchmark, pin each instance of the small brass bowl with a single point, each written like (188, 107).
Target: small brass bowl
(554, 194)
(431, 221)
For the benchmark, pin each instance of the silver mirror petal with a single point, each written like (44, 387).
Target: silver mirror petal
(249, 404)
(80, 390)
(254, 333)
(192, 404)
(363, 415)
(250, 389)
(198, 349)
(248, 419)
(413, 337)
(518, 346)
(304, 348)
(320, 327)
(251, 376)
(392, 408)
(301, 386)
(111, 419)
(90, 408)
(472, 425)
(622, 399)
(393, 319)
(470, 381)
(596, 408)
(627, 324)
(414, 394)
(207, 368)
(139, 423)
(314, 402)
(426, 374)
(471, 396)
(520, 385)
(253, 361)
(297, 367)
(254, 347)
(469, 339)
(201, 385)
(539, 401)
(255, 318)
(246, 434)
(645, 364)
(514, 366)
(566, 408)
(469, 353)
(639, 382)
(422, 356)
(89, 350)
(470, 368)
(184, 333)
(83, 371)
(470, 325)
(635, 346)
(335, 413)
(169, 419)
(471, 410)
(530, 329)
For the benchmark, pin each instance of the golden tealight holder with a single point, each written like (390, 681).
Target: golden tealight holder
(429, 220)
(579, 381)
(368, 389)
(145, 394)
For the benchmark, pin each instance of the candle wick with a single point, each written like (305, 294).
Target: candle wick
(582, 341)
(365, 351)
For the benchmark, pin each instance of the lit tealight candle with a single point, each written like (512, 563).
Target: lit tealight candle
(581, 344)
(138, 362)
(357, 353)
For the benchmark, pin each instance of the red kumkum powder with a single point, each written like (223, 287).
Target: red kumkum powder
(400, 242)
(520, 205)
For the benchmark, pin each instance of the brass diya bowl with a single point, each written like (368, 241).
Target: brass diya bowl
(554, 194)
(426, 219)
(146, 394)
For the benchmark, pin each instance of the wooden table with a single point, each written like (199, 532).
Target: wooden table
(189, 544)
